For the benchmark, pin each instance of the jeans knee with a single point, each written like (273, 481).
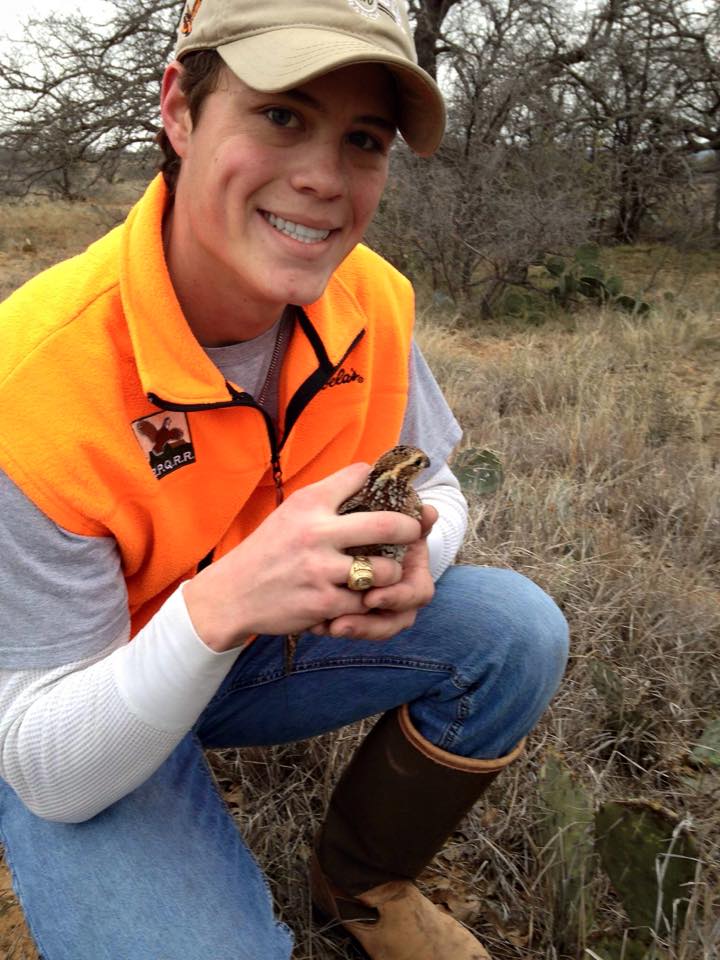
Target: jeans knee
(503, 644)
(522, 616)
(543, 644)
(536, 635)
(518, 641)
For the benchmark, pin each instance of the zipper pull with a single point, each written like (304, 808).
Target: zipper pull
(277, 480)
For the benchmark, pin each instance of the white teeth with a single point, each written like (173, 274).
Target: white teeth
(296, 230)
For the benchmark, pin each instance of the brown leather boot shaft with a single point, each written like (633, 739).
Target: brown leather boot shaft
(395, 805)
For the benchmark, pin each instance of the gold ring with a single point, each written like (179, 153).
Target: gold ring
(361, 574)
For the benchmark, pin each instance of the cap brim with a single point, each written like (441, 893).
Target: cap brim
(283, 58)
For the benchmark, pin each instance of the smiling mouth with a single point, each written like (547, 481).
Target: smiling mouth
(297, 231)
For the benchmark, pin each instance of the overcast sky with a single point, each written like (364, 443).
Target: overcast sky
(15, 14)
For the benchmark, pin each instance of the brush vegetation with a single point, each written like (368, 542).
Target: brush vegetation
(604, 429)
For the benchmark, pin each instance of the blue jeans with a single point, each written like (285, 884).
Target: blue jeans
(163, 874)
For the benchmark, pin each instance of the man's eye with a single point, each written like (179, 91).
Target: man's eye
(364, 141)
(282, 117)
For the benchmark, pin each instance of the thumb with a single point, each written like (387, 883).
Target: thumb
(427, 519)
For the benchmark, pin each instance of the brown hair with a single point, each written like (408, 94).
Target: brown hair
(201, 72)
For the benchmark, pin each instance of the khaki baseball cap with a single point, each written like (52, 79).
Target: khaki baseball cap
(276, 45)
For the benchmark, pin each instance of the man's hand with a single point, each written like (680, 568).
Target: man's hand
(390, 609)
(291, 573)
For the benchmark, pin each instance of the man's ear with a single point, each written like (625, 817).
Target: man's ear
(174, 109)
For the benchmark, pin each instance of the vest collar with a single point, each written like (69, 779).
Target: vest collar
(171, 363)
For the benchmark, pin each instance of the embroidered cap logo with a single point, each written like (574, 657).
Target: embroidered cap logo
(392, 7)
(368, 8)
(373, 8)
(189, 16)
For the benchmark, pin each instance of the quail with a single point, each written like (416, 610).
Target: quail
(388, 487)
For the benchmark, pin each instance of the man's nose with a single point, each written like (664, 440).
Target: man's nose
(321, 171)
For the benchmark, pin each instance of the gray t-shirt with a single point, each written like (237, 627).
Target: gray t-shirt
(63, 596)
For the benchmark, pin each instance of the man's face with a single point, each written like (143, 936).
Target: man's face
(276, 189)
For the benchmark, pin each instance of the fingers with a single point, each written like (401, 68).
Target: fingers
(355, 529)
(292, 571)
(341, 484)
(428, 518)
(385, 572)
(408, 594)
(415, 588)
(399, 597)
(389, 608)
(377, 526)
(375, 625)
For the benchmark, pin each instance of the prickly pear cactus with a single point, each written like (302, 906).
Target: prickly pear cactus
(609, 684)
(651, 861)
(478, 471)
(617, 948)
(564, 828)
(707, 751)
(624, 714)
(584, 275)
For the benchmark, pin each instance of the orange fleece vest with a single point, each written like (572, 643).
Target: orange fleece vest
(116, 423)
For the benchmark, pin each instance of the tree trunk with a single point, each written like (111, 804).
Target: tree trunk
(429, 17)
(631, 208)
(716, 207)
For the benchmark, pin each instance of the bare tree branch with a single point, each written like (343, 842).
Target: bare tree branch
(77, 95)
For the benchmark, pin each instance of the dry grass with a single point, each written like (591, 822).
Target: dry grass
(36, 233)
(609, 433)
(652, 270)
(610, 440)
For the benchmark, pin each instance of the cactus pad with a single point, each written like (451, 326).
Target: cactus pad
(707, 751)
(650, 860)
(564, 829)
(478, 471)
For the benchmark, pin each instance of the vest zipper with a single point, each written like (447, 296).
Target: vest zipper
(302, 397)
(278, 481)
(249, 401)
(274, 457)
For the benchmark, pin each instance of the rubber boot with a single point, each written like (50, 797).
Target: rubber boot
(392, 810)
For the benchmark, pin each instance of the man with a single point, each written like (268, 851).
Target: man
(187, 406)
